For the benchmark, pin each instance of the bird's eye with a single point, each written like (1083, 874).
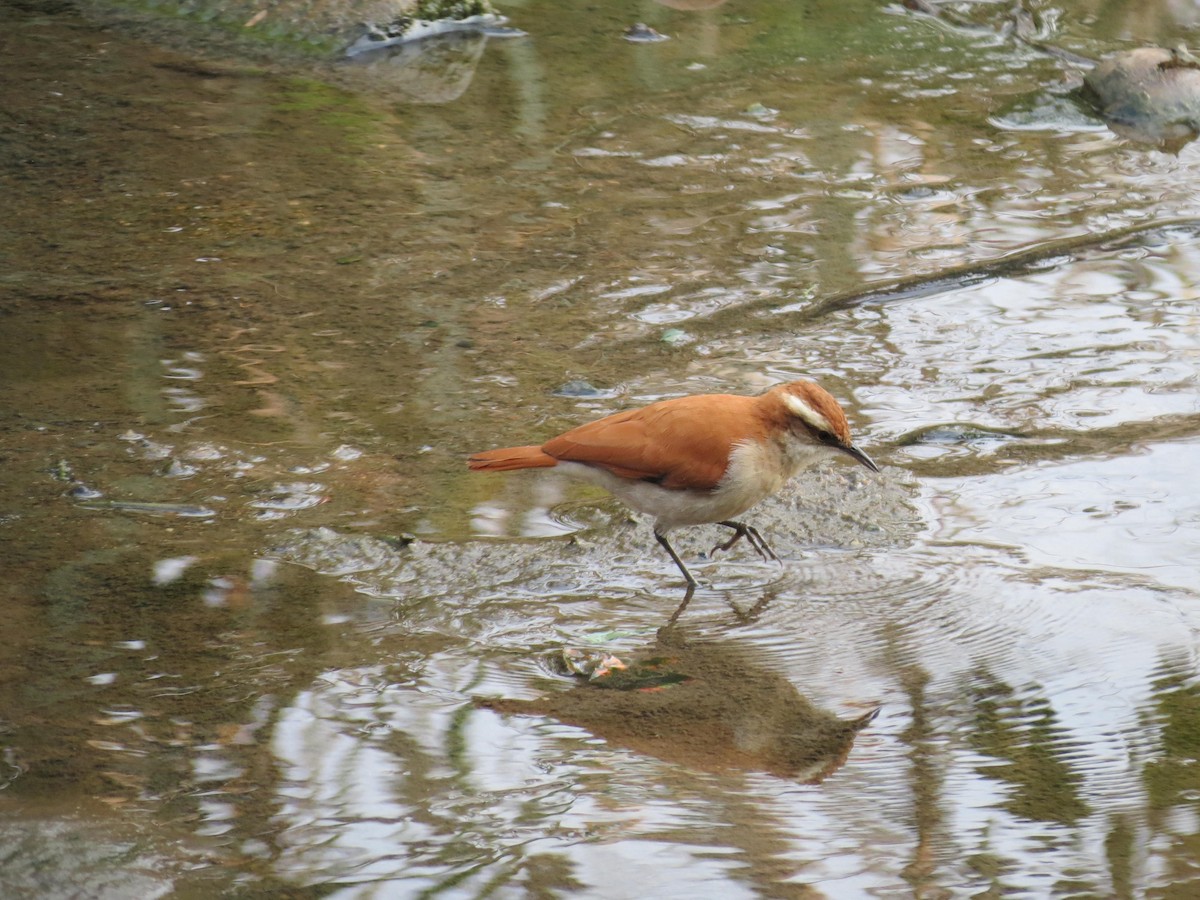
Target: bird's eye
(828, 437)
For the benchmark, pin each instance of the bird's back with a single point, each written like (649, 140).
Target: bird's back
(680, 444)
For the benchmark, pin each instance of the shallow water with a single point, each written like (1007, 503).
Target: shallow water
(255, 607)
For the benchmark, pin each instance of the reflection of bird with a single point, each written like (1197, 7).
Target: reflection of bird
(699, 459)
(706, 705)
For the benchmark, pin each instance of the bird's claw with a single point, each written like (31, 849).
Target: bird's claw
(753, 538)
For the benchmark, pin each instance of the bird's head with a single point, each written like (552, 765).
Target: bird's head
(813, 416)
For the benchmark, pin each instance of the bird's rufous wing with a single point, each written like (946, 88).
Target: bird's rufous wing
(680, 444)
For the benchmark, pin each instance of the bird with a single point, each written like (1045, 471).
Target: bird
(693, 460)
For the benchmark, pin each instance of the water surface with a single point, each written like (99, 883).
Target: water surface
(255, 314)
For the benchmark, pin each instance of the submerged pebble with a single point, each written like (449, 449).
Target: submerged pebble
(289, 498)
(577, 387)
(80, 491)
(761, 111)
(641, 33)
(204, 452)
(177, 469)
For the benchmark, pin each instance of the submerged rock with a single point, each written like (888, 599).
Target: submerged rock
(428, 54)
(1150, 95)
(321, 28)
(432, 18)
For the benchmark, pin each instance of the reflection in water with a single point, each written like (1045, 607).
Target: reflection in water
(1023, 737)
(704, 705)
(1171, 778)
(435, 70)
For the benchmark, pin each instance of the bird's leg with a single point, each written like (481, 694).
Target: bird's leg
(753, 538)
(662, 539)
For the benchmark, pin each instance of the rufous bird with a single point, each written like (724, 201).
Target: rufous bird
(699, 459)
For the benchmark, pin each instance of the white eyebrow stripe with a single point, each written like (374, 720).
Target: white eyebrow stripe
(803, 411)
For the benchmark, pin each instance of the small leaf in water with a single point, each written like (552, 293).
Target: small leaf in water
(169, 570)
(591, 664)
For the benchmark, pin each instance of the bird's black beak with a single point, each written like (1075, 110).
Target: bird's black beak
(851, 450)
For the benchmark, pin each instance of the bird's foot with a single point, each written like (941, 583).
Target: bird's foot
(753, 538)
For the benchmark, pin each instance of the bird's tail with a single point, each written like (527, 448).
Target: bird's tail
(510, 458)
